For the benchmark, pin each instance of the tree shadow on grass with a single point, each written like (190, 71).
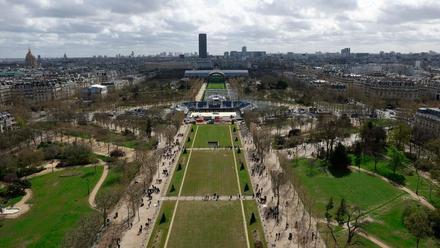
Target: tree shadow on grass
(88, 174)
(338, 173)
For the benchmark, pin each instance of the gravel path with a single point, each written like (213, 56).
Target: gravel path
(98, 185)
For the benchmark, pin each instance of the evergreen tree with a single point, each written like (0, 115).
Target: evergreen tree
(246, 187)
(253, 219)
(163, 219)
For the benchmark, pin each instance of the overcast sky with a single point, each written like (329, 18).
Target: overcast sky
(109, 27)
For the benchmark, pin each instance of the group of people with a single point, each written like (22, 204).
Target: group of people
(214, 197)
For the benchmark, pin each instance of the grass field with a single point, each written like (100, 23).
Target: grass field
(255, 230)
(208, 224)
(379, 199)
(208, 133)
(360, 189)
(216, 86)
(243, 174)
(390, 227)
(160, 231)
(211, 172)
(59, 200)
(176, 181)
(409, 179)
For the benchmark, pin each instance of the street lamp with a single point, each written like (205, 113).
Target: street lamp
(88, 188)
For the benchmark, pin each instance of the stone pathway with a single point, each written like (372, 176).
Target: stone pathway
(201, 93)
(209, 198)
(98, 185)
(294, 218)
(147, 214)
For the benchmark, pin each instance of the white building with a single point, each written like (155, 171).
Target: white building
(7, 121)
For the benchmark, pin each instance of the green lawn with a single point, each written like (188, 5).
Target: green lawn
(208, 224)
(113, 182)
(388, 225)
(383, 203)
(210, 172)
(160, 231)
(407, 175)
(59, 200)
(11, 202)
(214, 132)
(176, 181)
(243, 174)
(216, 86)
(359, 189)
(255, 230)
(341, 236)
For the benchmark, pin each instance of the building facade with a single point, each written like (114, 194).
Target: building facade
(7, 121)
(428, 119)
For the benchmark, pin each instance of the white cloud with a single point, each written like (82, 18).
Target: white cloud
(88, 27)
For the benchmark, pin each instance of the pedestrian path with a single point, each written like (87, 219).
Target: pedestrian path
(207, 198)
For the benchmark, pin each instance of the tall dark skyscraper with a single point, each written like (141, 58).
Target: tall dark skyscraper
(203, 52)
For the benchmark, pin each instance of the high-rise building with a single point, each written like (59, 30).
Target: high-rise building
(203, 50)
(30, 60)
(345, 51)
(244, 49)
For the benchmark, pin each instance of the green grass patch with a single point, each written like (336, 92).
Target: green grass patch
(255, 229)
(388, 224)
(176, 181)
(59, 200)
(160, 231)
(405, 175)
(243, 174)
(341, 237)
(360, 189)
(208, 133)
(210, 172)
(208, 224)
(11, 202)
(216, 86)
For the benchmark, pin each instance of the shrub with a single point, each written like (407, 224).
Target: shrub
(339, 159)
(16, 188)
(22, 172)
(117, 153)
(242, 166)
(172, 189)
(51, 151)
(77, 154)
(179, 166)
(238, 150)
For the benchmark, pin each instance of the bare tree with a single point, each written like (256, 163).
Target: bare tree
(278, 178)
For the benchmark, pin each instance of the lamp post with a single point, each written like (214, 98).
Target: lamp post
(88, 188)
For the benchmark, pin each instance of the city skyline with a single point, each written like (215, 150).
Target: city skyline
(83, 29)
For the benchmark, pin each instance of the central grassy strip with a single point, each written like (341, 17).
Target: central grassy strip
(58, 201)
(208, 224)
(212, 133)
(210, 172)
